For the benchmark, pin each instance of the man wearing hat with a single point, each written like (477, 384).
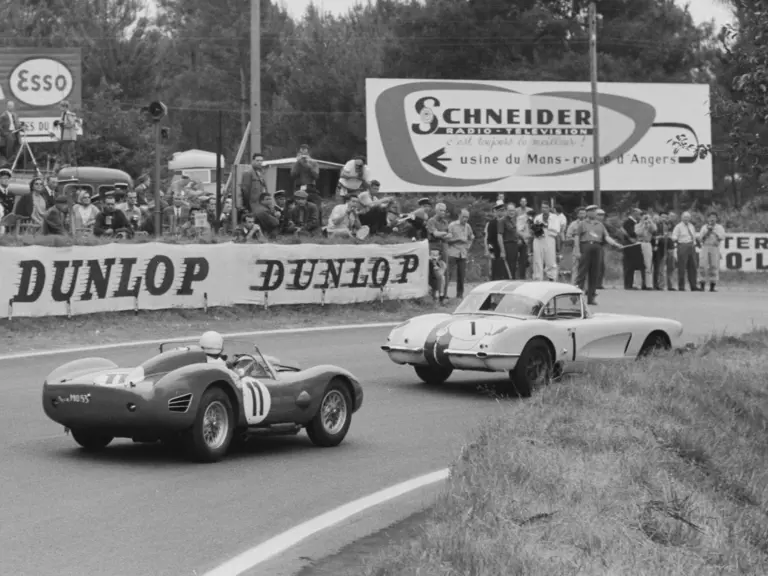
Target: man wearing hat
(581, 214)
(417, 220)
(56, 221)
(304, 215)
(589, 236)
(600, 215)
(494, 243)
(712, 235)
(286, 225)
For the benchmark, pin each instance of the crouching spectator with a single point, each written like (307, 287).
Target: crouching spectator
(56, 221)
(281, 211)
(373, 210)
(111, 222)
(266, 216)
(437, 274)
(304, 215)
(344, 220)
(248, 231)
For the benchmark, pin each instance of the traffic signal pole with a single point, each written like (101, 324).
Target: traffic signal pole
(158, 212)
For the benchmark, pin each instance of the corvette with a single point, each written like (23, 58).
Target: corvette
(178, 397)
(531, 330)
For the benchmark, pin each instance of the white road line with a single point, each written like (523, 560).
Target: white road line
(282, 542)
(139, 343)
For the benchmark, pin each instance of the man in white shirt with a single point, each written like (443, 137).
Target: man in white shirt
(711, 236)
(131, 210)
(685, 238)
(9, 137)
(354, 177)
(344, 220)
(581, 214)
(545, 233)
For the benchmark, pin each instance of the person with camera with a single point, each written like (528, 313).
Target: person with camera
(645, 229)
(305, 170)
(546, 231)
(343, 220)
(712, 235)
(67, 126)
(131, 210)
(355, 177)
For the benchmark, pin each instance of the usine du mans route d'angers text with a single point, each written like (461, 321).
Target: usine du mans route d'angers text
(430, 135)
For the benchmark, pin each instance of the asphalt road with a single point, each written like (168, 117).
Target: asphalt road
(137, 510)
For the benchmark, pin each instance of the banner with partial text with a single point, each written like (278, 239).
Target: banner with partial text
(42, 281)
(744, 252)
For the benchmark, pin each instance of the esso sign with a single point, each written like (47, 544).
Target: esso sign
(41, 82)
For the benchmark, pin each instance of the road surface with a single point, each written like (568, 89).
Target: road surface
(137, 510)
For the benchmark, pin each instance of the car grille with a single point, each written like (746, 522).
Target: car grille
(180, 403)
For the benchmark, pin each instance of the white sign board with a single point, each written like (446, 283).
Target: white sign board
(42, 281)
(744, 252)
(482, 136)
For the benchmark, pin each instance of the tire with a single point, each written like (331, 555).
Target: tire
(534, 368)
(656, 342)
(91, 441)
(331, 423)
(211, 434)
(433, 376)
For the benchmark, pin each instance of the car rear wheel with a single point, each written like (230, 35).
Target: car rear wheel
(333, 418)
(211, 433)
(534, 368)
(90, 440)
(433, 376)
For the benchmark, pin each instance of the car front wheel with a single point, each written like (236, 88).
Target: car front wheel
(333, 418)
(211, 433)
(433, 376)
(534, 368)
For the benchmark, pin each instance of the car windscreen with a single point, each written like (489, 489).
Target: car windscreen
(509, 304)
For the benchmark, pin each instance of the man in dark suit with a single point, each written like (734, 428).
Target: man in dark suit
(633, 254)
(174, 217)
(9, 133)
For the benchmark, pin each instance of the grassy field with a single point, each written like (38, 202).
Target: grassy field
(657, 468)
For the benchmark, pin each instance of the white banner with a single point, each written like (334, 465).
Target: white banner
(473, 136)
(40, 281)
(744, 252)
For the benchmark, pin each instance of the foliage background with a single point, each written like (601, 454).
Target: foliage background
(194, 55)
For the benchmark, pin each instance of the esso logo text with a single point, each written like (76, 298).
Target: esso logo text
(41, 82)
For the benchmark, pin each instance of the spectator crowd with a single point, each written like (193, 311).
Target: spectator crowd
(517, 242)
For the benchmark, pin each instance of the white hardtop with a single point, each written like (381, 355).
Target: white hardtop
(543, 291)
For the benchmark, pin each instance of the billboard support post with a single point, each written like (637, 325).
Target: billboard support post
(596, 199)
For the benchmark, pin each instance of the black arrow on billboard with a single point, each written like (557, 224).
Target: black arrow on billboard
(436, 160)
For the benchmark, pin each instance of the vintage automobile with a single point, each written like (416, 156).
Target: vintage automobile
(178, 397)
(532, 330)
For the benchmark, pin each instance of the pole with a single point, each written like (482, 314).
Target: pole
(219, 152)
(255, 76)
(158, 219)
(595, 118)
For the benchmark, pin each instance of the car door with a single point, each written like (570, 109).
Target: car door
(597, 339)
(567, 311)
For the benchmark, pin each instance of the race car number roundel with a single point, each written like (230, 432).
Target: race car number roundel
(256, 400)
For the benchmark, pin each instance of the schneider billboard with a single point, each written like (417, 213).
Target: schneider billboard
(479, 136)
(37, 80)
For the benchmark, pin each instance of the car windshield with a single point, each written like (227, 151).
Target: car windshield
(507, 304)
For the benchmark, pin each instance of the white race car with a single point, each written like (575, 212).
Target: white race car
(532, 330)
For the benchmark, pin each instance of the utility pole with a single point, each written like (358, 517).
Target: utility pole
(255, 77)
(596, 199)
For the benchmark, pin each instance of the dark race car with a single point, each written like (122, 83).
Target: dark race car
(180, 396)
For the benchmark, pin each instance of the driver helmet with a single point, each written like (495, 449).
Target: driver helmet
(212, 343)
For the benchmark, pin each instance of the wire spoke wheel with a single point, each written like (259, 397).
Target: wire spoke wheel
(333, 412)
(215, 425)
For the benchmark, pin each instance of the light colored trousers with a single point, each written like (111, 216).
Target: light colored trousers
(648, 261)
(709, 264)
(544, 258)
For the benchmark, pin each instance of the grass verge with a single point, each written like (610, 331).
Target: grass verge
(660, 467)
(51, 332)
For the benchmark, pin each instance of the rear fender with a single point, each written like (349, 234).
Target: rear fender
(77, 368)
(317, 378)
(195, 379)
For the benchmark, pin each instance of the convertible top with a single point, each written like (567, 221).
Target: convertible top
(539, 290)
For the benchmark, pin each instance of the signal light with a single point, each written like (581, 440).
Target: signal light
(157, 110)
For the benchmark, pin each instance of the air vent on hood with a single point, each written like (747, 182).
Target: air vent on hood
(180, 403)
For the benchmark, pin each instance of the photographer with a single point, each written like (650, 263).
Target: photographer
(305, 171)
(344, 220)
(67, 125)
(712, 234)
(546, 231)
(355, 177)
(112, 222)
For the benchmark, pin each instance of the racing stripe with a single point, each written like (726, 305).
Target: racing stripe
(261, 399)
(429, 344)
(256, 397)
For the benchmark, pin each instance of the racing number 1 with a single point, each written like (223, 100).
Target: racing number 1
(573, 339)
